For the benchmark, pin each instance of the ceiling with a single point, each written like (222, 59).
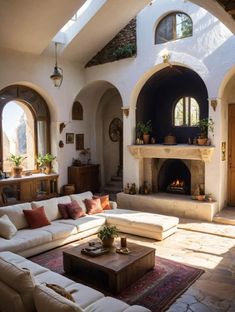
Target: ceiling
(30, 26)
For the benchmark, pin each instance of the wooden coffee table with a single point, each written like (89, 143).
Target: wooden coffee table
(112, 271)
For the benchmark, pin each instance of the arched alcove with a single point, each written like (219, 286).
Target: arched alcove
(77, 111)
(157, 99)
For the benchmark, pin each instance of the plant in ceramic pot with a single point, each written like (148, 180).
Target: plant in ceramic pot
(143, 129)
(206, 125)
(107, 235)
(45, 162)
(17, 161)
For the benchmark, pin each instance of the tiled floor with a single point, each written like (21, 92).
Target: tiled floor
(208, 246)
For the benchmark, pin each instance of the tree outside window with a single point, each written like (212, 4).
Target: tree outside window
(186, 112)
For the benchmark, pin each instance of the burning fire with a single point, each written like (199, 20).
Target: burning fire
(177, 183)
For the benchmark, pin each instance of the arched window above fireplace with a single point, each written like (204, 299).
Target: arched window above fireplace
(186, 112)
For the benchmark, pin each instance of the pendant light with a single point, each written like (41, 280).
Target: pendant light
(57, 75)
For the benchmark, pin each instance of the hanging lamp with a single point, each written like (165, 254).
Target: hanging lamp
(57, 75)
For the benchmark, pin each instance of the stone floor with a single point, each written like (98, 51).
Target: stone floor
(208, 246)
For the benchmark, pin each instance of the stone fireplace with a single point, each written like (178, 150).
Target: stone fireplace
(182, 166)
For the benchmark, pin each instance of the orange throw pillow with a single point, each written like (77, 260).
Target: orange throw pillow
(93, 206)
(105, 204)
(36, 217)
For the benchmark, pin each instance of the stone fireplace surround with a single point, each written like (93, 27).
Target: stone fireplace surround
(153, 156)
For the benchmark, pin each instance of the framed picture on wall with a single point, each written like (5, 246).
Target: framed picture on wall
(79, 141)
(69, 138)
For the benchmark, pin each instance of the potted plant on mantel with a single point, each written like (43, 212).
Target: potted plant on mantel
(143, 129)
(206, 125)
(107, 235)
(45, 162)
(17, 161)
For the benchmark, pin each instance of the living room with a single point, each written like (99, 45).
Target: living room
(129, 71)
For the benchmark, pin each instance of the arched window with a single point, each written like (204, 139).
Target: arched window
(24, 126)
(186, 112)
(174, 26)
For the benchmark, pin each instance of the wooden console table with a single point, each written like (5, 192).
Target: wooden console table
(28, 188)
(85, 178)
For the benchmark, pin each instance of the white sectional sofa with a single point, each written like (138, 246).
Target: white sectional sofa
(23, 289)
(28, 242)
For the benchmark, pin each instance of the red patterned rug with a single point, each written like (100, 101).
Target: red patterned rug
(156, 290)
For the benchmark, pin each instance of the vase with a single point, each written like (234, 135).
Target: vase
(17, 172)
(201, 141)
(146, 138)
(48, 168)
(108, 242)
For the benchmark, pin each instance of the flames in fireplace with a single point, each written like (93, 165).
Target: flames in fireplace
(177, 186)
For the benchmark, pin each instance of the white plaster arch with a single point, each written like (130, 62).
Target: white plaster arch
(145, 77)
(45, 95)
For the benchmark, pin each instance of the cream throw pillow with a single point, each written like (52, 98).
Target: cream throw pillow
(7, 228)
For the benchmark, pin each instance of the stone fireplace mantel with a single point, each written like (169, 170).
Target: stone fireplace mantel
(179, 151)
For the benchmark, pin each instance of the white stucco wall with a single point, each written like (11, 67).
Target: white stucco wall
(35, 71)
(209, 52)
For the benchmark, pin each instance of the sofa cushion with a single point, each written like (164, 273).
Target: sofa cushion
(48, 300)
(93, 206)
(141, 220)
(51, 206)
(136, 308)
(86, 223)
(7, 228)
(36, 217)
(80, 199)
(16, 215)
(60, 230)
(25, 239)
(105, 204)
(19, 279)
(107, 304)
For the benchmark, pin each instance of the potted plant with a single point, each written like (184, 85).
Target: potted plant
(143, 129)
(107, 235)
(205, 125)
(17, 161)
(45, 162)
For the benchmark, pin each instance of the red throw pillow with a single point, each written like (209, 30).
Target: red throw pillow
(63, 210)
(36, 217)
(93, 206)
(74, 210)
(105, 204)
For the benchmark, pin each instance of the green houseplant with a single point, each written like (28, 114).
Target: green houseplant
(17, 161)
(45, 162)
(206, 125)
(143, 130)
(107, 235)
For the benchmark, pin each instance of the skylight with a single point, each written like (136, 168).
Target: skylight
(74, 19)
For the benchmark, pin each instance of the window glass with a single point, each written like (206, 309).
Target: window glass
(18, 134)
(173, 26)
(186, 112)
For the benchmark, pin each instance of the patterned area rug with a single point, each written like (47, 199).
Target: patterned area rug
(156, 290)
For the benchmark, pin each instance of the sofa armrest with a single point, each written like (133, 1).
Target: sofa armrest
(113, 204)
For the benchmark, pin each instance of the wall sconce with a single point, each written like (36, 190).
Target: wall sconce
(57, 75)
(63, 125)
(126, 111)
(165, 55)
(214, 104)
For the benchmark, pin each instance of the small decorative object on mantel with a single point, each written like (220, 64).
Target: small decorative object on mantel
(206, 125)
(170, 139)
(127, 189)
(143, 130)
